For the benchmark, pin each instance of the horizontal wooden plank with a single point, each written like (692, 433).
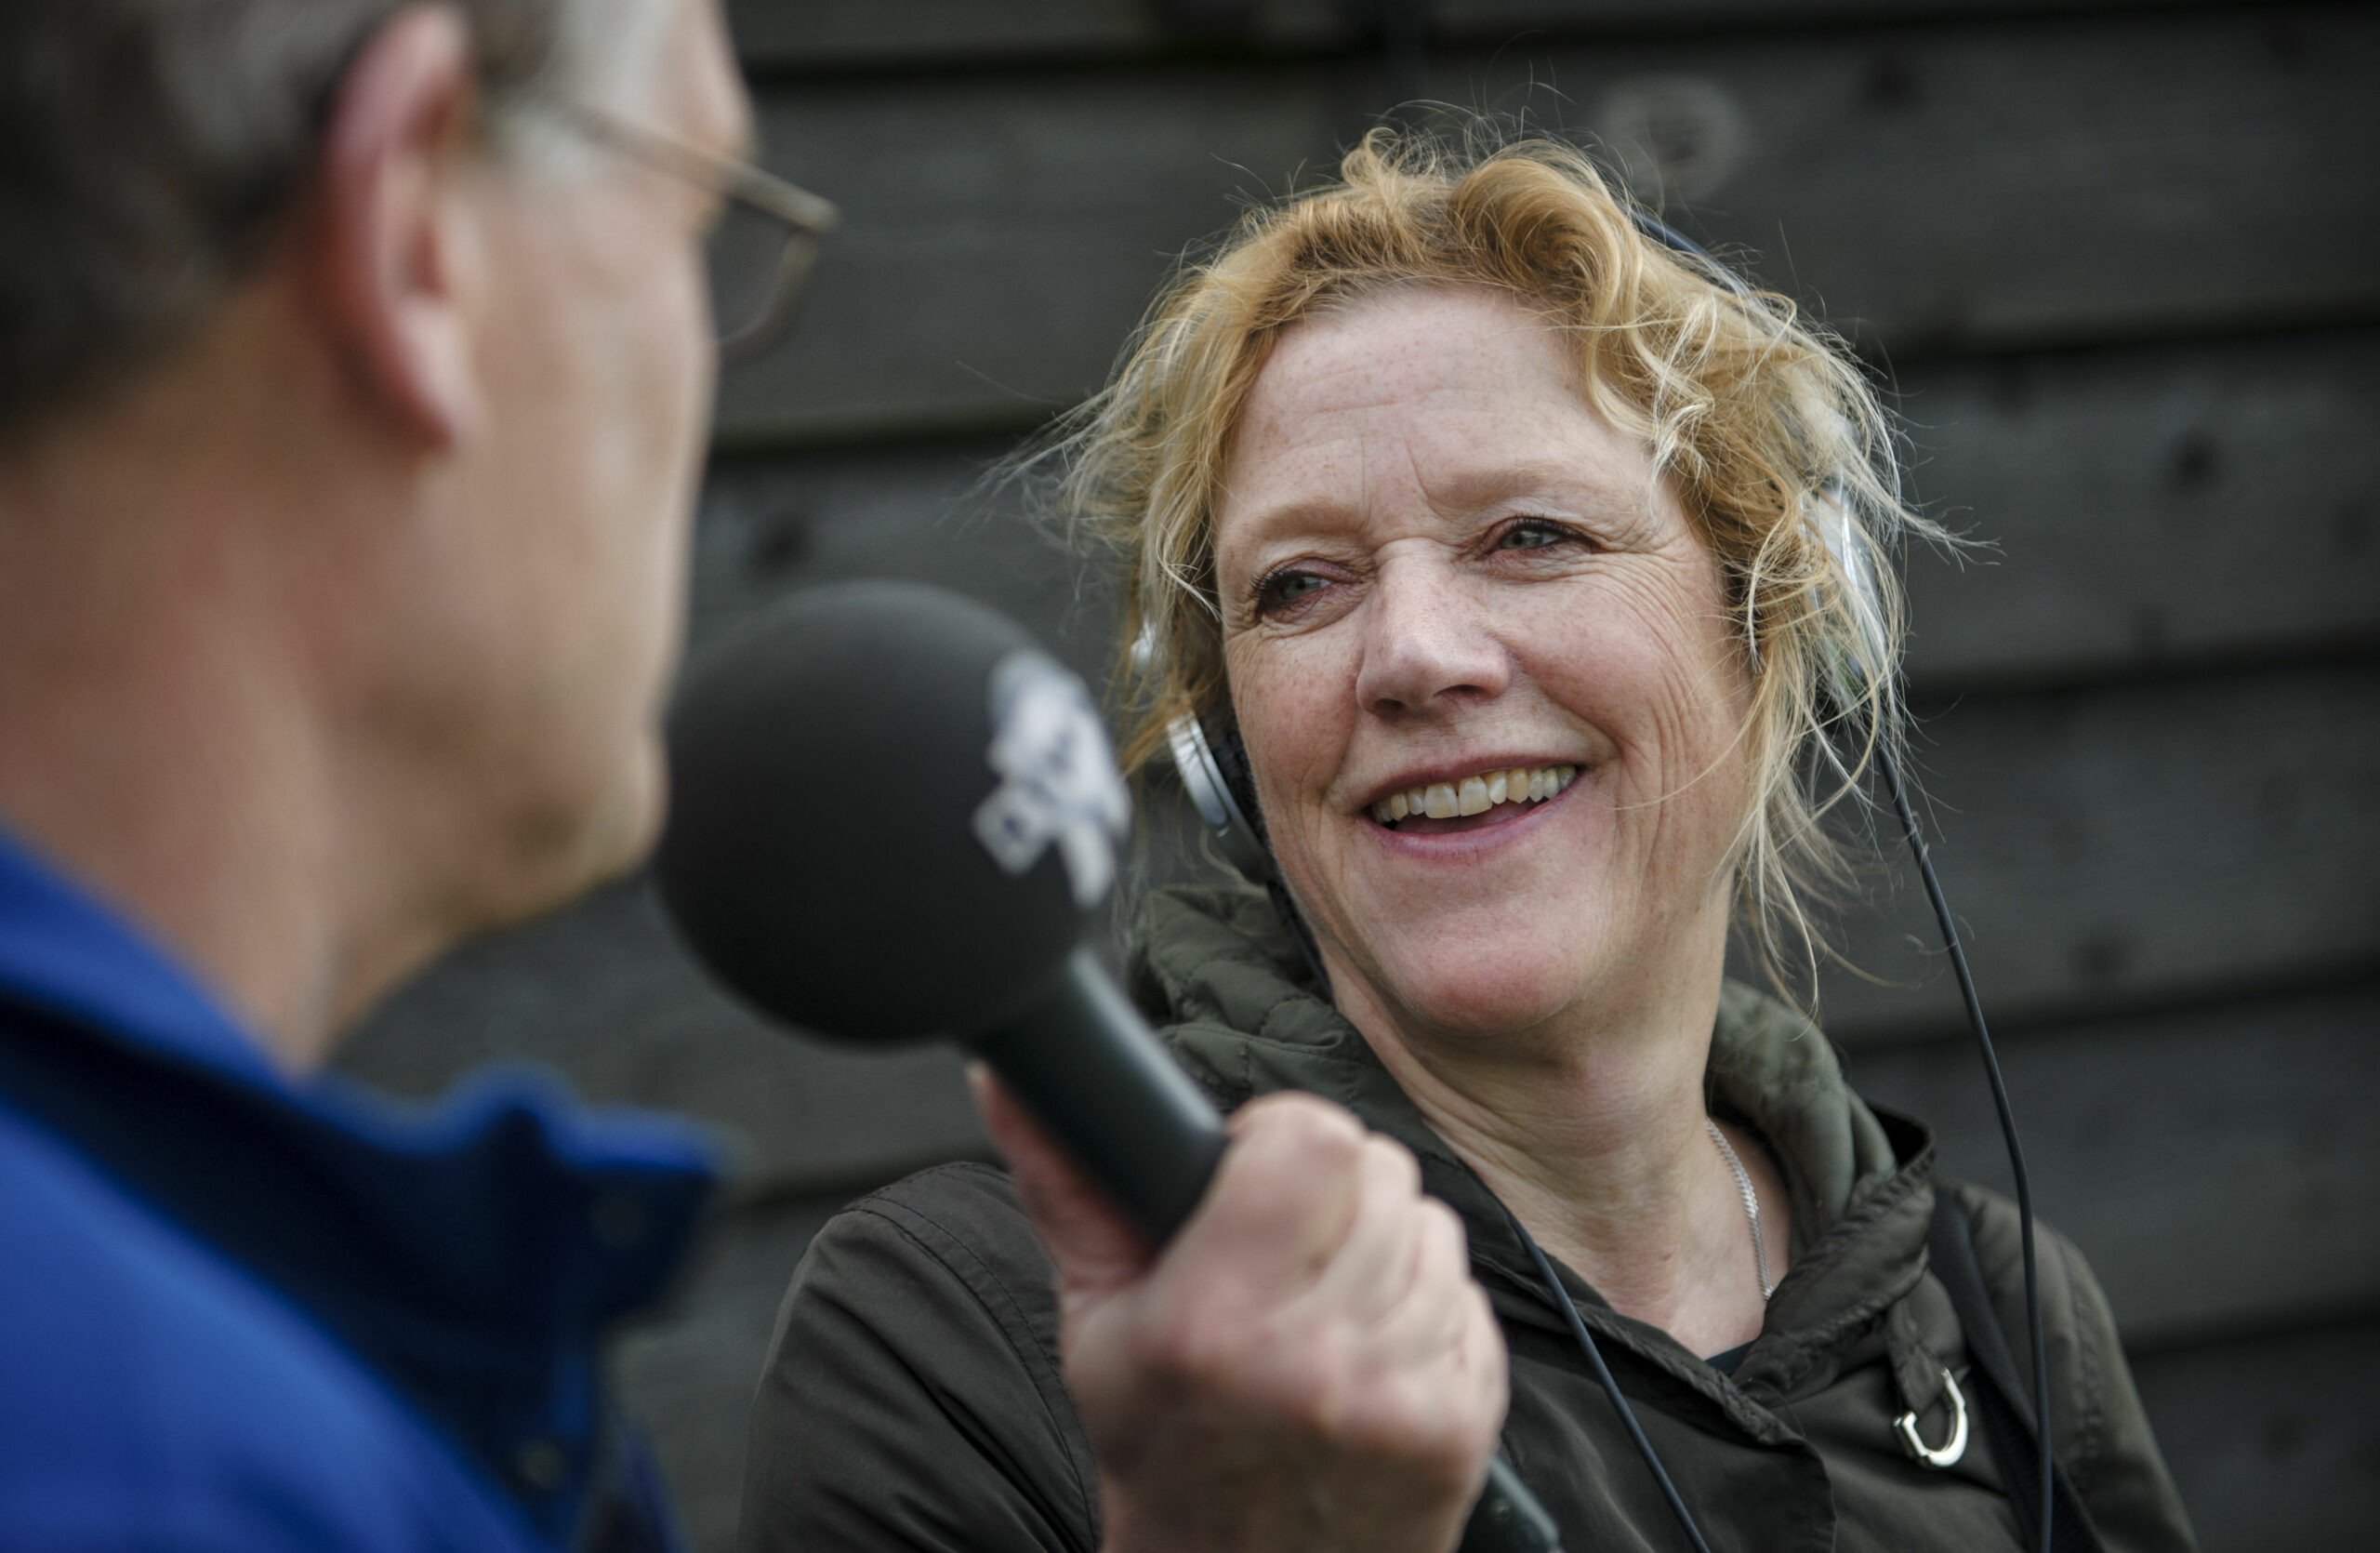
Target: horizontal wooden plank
(778, 36)
(1932, 190)
(2145, 506)
(2218, 1166)
(2140, 843)
(935, 513)
(2275, 1442)
(782, 33)
(1500, 20)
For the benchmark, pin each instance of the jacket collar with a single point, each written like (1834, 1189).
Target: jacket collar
(63, 953)
(1217, 969)
(472, 1252)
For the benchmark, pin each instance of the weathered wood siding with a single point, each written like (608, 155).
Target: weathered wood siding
(2119, 261)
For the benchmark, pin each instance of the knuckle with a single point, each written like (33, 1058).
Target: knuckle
(1189, 1350)
(1391, 1168)
(1303, 1124)
(1443, 1233)
(1407, 1419)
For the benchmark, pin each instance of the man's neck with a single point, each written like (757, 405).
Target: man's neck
(159, 741)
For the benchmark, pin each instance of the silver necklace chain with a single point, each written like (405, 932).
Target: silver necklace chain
(1751, 1204)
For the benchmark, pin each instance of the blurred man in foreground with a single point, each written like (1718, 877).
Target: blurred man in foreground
(354, 371)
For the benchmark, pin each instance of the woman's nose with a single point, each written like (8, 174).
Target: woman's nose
(1428, 645)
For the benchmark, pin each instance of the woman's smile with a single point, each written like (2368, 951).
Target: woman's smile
(1428, 806)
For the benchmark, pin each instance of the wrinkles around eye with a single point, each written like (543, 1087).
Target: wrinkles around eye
(1296, 592)
(1537, 533)
(1287, 591)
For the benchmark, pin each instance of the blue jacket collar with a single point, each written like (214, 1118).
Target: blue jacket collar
(63, 951)
(472, 1253)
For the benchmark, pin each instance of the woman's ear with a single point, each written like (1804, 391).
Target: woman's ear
(391, 241)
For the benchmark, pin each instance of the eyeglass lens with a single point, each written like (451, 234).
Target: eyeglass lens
(755, 261)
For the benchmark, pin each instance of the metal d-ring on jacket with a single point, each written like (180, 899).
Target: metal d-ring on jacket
(913, 1398)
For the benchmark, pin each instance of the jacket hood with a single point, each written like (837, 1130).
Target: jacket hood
(1215, 968)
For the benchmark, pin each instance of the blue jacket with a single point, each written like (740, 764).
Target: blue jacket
(241, 1311)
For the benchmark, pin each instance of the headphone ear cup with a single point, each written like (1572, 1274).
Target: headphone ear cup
(1231, 758)
(1214, 772)
(1215, 775)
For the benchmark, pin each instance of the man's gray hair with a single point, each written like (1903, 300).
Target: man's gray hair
(149, 150)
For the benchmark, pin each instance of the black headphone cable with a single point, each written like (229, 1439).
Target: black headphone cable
(2045, 1487)
(1586, 1341)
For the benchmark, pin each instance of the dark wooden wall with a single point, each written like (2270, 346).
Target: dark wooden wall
(2119, 261)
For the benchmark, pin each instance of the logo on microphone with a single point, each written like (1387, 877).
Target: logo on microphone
(1058, 780)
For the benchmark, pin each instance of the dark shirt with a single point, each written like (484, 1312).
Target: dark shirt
(1727, 1361)
(244, 1311)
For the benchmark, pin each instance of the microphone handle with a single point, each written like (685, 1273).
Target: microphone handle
(1087, 1065)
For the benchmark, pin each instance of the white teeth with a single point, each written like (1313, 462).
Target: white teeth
(1474, 795)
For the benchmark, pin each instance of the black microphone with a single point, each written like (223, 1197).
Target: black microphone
(892, 818)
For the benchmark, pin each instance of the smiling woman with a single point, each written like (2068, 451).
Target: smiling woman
(1516, 558)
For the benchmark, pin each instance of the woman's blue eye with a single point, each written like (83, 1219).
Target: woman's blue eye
(1288, 587)
(1531, 536)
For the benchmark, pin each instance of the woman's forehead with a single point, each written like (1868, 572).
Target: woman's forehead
(1412, 339)
(1455, 397)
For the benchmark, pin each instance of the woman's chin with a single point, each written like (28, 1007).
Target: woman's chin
(1478, 999)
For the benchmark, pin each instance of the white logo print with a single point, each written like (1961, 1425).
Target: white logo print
(1058, 777)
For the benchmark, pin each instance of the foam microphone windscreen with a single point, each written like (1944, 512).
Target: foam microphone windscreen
(824, 856)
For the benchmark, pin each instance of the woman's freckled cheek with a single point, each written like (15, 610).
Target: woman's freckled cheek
(1296, 728)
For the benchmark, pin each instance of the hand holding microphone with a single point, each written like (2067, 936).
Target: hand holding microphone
(1308, 1365)
(892, 818)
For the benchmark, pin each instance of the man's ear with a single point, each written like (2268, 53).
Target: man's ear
(393, 249)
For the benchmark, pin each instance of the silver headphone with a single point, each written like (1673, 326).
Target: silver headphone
(1235, 835)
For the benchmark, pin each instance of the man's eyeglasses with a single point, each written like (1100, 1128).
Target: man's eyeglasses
(764, 241)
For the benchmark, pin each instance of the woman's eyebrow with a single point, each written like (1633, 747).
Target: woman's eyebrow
(1558, 480)
(1295, 516)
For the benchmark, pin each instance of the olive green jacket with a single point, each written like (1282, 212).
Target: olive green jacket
(913, 1399)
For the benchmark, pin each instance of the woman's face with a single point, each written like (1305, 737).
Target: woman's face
(1436, 564)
